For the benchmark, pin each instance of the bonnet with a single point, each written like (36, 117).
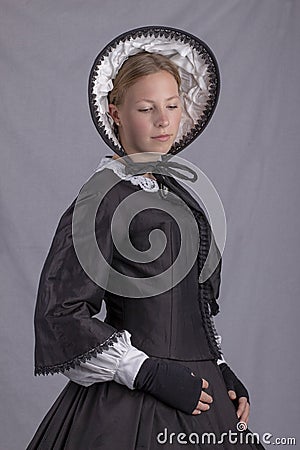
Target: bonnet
(197, 66)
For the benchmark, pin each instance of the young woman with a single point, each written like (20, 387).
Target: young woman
(151, 375)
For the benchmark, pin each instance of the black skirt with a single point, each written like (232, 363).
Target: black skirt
(110, 416)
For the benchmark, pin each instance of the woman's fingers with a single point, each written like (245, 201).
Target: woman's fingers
(201, 407)
(204, 383)
(204, 399)
(232, 395)
(243, 410)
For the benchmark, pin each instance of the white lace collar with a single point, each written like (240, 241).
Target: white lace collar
(147, 184)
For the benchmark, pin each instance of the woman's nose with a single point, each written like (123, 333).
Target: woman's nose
(162, 119)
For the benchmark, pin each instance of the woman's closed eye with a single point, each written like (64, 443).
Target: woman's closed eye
(145, 109)
(150, 108)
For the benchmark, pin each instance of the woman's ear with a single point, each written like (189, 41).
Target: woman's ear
(114, 112)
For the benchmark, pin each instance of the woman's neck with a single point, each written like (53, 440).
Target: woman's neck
(148, 174)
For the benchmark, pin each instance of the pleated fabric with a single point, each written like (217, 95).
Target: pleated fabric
(110, 416)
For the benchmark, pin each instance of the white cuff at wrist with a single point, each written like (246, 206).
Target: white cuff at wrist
(128, 367)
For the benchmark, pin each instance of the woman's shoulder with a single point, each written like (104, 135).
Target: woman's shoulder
(105, 189)
(95, 193)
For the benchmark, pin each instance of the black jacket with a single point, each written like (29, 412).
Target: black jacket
(166, 317)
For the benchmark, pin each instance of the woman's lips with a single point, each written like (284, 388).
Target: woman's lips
(162, 137)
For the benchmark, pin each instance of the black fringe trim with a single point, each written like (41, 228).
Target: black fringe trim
(61, 368)
(204, 289)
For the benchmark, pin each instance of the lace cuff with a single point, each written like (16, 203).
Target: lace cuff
(119, 363)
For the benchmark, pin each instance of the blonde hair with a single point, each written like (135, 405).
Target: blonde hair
(136, 66)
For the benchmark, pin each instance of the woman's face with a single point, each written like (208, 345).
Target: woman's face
(149, 117)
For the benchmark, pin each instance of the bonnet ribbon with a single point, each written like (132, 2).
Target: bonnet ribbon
(163, 167)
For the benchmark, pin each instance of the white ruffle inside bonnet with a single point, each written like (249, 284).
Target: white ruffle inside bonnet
(192, 69)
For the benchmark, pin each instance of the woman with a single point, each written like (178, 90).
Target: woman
(152, 374)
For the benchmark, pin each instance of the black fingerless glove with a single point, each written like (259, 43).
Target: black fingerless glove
(170, 383)
(232, 382)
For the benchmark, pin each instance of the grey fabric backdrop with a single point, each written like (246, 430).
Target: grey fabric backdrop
(250, 152)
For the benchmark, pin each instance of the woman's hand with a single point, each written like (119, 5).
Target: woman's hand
(204, 400)
(243, 410)
(237, 393)
(173, 384)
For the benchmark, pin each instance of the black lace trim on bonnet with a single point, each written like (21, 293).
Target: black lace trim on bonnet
(167, 36)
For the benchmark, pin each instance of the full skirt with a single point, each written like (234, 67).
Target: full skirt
(110, 416)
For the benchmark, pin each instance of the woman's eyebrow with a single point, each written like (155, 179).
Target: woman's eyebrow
(152, 101)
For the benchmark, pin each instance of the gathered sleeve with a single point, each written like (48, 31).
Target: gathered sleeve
(66, 333)
(119, 363)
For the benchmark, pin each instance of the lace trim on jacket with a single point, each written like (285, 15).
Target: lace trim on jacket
(60, 368)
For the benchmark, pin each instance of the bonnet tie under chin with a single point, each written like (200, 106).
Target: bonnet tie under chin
(164, 167)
